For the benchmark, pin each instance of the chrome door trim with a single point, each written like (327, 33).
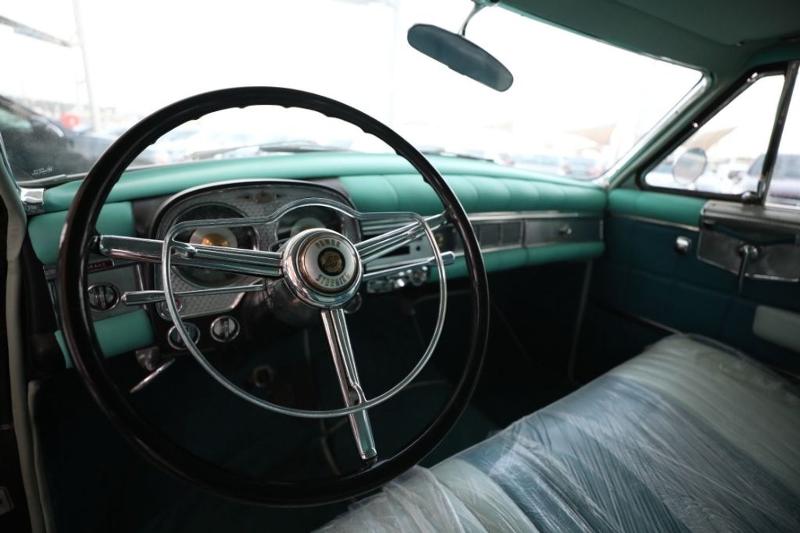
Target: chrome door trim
(657, 222)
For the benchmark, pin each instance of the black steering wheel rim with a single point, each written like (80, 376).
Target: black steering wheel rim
(146, 438)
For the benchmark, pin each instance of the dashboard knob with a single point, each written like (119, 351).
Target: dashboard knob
(419, 276)
(174, 339)
(103, 296)
(224, 329)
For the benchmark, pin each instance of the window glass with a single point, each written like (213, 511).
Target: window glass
(576, 107)
(724, 156)
(10, 121)
(784, 188)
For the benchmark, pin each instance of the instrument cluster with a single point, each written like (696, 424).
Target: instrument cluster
(240, 200)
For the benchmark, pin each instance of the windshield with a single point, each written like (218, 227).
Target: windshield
(81, 72)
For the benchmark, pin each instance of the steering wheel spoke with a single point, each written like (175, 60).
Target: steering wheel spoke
(235, 260)
(380, 245)
(339, 342)
(155, 296)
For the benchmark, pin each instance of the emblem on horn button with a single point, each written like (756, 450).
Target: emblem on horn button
(331, 261)
(328, 262)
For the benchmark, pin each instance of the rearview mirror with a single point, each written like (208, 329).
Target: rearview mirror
(461, 55)
(690, 166)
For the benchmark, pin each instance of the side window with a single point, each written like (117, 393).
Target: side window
(784, 186)
(724, 155)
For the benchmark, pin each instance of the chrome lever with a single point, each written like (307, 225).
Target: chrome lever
(155, 296)
(151, 360)
(749, 253)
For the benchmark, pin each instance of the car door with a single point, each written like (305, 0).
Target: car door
(713, 251)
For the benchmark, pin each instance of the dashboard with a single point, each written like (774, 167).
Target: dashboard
(520, 221)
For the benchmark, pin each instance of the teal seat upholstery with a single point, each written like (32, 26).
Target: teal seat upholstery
(688, 436)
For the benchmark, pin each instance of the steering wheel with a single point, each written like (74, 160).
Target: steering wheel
(320, 268)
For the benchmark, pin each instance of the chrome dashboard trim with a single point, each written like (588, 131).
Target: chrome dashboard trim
(562, 230)
(32, 199)
(488, 216)
(116, 273)
(507, 216)
(532, 229)
(657, 222)
(235, 184)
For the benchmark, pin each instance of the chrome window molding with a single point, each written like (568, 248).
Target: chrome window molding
(771, 156)
(618, 171)
(703, 116)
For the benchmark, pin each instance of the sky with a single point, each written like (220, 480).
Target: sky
(142, 55)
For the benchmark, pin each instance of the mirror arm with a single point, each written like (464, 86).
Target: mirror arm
(479, 4)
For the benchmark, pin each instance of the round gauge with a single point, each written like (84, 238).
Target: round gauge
(231, 237)
(302, 224)
(305, 218)
(214, 237)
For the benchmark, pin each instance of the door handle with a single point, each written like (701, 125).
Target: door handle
(683, 244)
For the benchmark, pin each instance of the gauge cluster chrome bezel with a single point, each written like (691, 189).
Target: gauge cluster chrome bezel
(265, 236)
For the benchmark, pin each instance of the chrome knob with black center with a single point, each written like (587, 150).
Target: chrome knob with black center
(103, 296)
(224, 329)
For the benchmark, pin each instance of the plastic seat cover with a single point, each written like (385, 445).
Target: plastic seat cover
(687, 436)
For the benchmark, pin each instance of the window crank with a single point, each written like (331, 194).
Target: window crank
(749, 253)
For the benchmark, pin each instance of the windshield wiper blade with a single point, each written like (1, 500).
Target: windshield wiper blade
(51, 181)
(449, 153)
(60, 179)
(299, 147)
(291, 147)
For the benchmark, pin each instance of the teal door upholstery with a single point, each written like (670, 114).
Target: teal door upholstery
(643, 288)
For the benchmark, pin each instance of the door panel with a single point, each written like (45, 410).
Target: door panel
(644, 287)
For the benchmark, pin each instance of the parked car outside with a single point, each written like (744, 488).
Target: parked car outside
(785, 183)
(37, 147)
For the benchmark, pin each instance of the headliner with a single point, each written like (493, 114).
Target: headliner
(715, 35)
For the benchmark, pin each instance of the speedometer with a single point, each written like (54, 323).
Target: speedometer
(230, 237)
(214, 237)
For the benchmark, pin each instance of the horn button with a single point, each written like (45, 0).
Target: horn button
(322, 267)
